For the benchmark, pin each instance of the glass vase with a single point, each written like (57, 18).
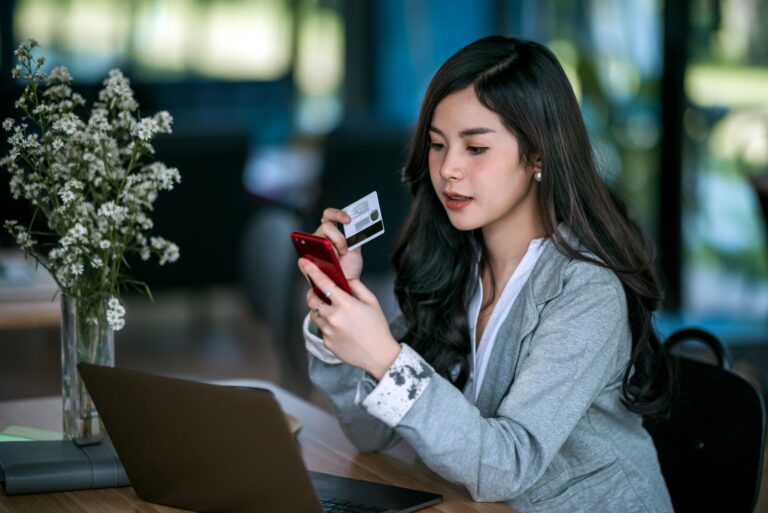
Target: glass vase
(85, 337)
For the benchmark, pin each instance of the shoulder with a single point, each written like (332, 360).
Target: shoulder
(570, 279)
(589, 305)
(583, 273)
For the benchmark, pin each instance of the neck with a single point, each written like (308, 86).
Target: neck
(506, 243)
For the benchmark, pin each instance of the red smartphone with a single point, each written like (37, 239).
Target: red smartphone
(320, 252)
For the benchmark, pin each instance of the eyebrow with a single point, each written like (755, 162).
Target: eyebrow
(467, 132)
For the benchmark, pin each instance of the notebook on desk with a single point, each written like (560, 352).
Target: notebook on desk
(211, 448)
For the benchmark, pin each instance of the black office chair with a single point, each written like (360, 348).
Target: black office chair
(711, 447)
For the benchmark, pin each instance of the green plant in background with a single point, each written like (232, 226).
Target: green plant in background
(94, 181)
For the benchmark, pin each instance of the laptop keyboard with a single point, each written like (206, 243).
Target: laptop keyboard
(331, 505)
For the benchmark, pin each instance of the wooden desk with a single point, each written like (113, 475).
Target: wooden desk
(324, 447)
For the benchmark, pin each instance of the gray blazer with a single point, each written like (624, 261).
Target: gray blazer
(549, 432)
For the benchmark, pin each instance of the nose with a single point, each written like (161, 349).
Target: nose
(452, 168)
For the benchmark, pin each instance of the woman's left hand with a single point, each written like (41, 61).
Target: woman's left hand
(354, 326)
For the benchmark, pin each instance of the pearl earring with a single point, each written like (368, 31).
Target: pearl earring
(537, 176)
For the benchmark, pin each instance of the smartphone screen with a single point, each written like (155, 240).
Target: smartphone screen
(320, 252)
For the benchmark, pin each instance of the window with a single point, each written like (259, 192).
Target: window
(726, 145)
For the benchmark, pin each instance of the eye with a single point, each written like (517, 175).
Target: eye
(436, 146)
(476, 150)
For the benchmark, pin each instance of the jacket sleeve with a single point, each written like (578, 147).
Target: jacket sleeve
(573, 355)
(344, 384)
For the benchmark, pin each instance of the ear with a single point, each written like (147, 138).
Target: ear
(535, 161)
(534, 167)
(533, 164)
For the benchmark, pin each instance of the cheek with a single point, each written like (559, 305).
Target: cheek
(434, 166)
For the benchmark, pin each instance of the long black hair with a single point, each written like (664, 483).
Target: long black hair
(523, 83)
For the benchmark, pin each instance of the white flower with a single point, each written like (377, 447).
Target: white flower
(166, 177)
(113, 303)
(21, 233)
(144, 253)
(115, 314)
(30, 143)
(8, 124)
(164, 121)
(99, 120)
(104, 244)
(78, 230)
(66, 196)
(74, 184)
(170, 254)
(157, 243)
(76, 269)
(115, 322)
(57, 144)
(117, 90)
(66, 242)
(112, 211)
(97, 262)
(67, 124)
(144, 221)
(60, 74)
(17, 138)
(145, 129)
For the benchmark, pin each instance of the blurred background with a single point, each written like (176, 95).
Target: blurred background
(283, 107)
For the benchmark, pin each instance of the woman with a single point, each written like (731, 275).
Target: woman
(525, 355)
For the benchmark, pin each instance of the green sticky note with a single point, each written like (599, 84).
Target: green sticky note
(21, 433)
(11, 438)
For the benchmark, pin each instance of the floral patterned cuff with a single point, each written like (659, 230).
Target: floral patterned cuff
(315, 344)
(399, 389)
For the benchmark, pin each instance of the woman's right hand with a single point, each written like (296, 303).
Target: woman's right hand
(351, 261)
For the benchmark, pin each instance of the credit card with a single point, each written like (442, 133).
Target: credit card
(367, 222)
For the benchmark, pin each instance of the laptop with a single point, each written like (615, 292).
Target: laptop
(214, 448)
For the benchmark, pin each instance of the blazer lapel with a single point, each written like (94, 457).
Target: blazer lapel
(502, 363)
(544, 283)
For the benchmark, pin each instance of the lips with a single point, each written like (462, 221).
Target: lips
(455, 201)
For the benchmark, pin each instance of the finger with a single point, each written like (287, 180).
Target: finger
(306, 277)
(362, 293)
(316, 305)
(299, 263)
(335, 215)
(322, 280)
(316, 314)
(331, 232)
(313, 301)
